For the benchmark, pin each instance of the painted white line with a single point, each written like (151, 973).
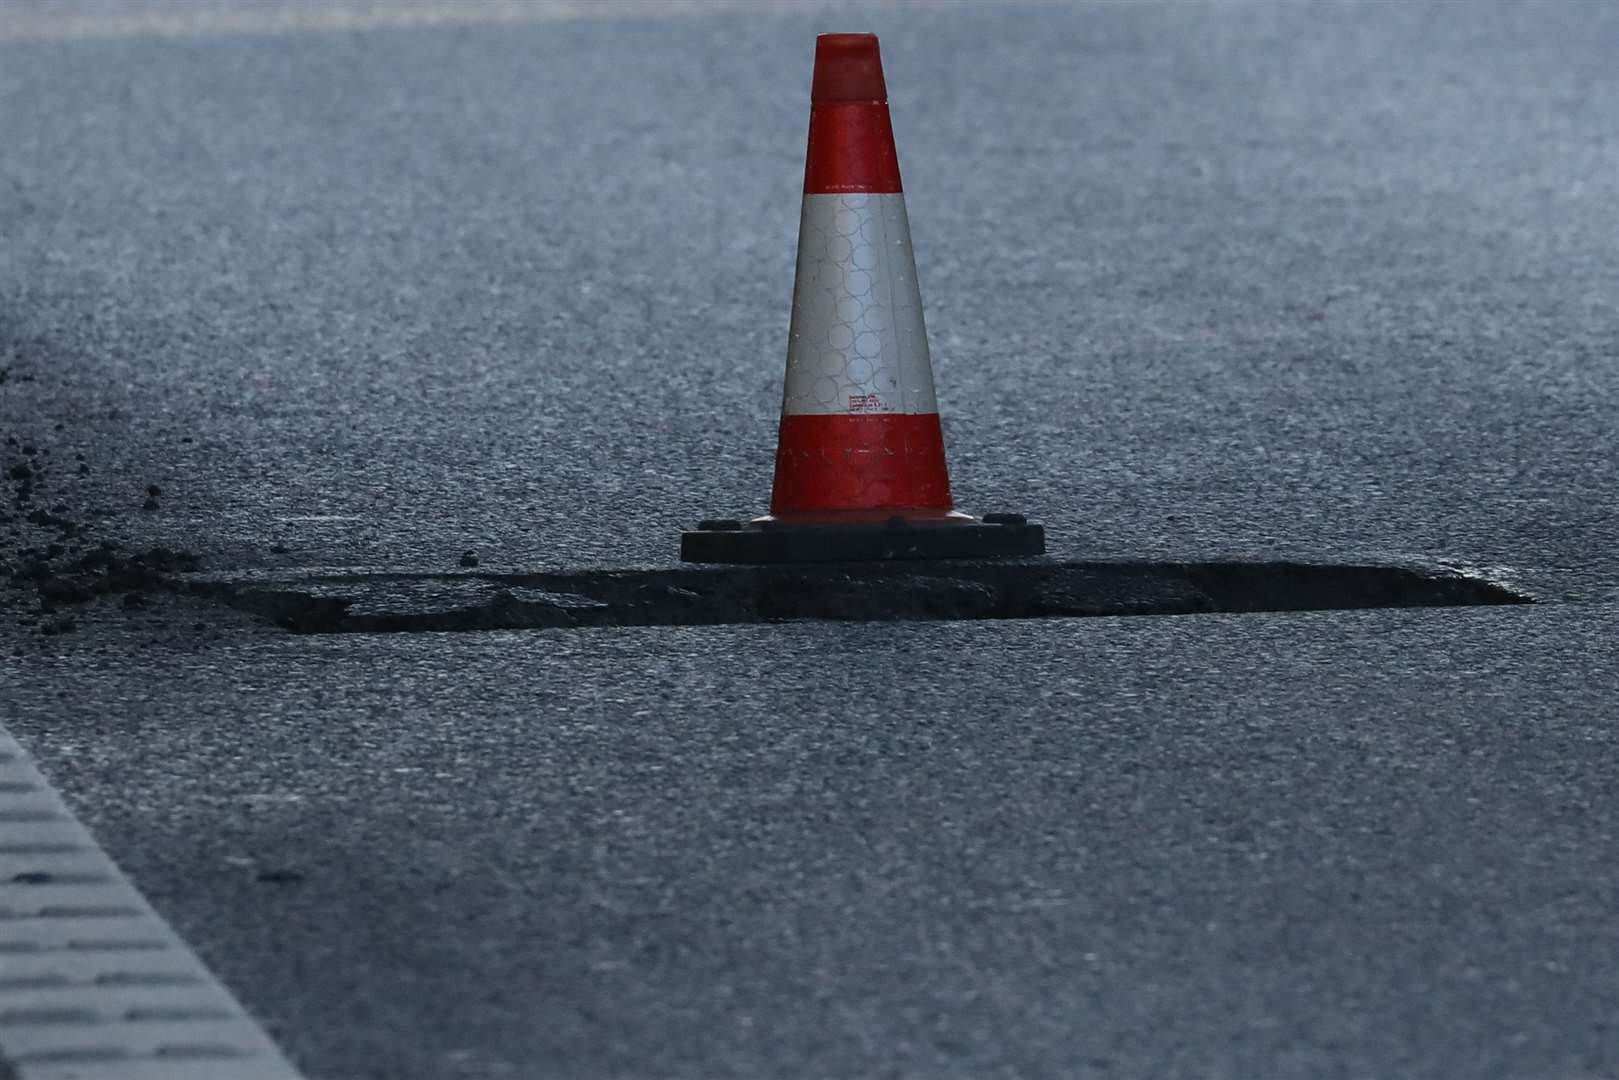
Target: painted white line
(319, 519)
(193, 18)
(94, 985)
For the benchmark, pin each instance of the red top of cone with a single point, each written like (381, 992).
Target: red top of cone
(851, 143)
(847, 68)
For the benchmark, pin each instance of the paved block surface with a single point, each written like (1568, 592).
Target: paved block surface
(93, 984)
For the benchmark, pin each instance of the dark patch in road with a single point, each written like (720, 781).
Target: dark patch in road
(691, 596)
(49, 559)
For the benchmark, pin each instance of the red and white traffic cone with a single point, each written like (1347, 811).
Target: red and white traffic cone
(860, 465)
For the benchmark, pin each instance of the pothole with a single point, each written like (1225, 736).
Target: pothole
(710, 595)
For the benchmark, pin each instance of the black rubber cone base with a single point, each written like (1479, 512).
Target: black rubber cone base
(994, 536)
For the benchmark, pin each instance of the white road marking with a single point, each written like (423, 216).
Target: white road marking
(165, 18)
(94, 985)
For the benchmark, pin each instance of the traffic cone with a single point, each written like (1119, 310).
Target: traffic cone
(860, 462)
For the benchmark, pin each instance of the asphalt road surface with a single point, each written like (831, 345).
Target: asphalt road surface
(1328, 283)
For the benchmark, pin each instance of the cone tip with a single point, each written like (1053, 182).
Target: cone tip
(848, 67)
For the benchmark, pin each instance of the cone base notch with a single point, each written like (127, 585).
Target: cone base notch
(994, 536)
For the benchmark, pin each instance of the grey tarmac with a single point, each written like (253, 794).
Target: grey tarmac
(1314, 283)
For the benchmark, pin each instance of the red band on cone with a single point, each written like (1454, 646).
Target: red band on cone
(851, 149)
(893, 461)
(851, 142)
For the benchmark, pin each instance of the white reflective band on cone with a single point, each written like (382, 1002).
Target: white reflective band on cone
(857, 344)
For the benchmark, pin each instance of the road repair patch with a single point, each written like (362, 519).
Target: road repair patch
(947, 589)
